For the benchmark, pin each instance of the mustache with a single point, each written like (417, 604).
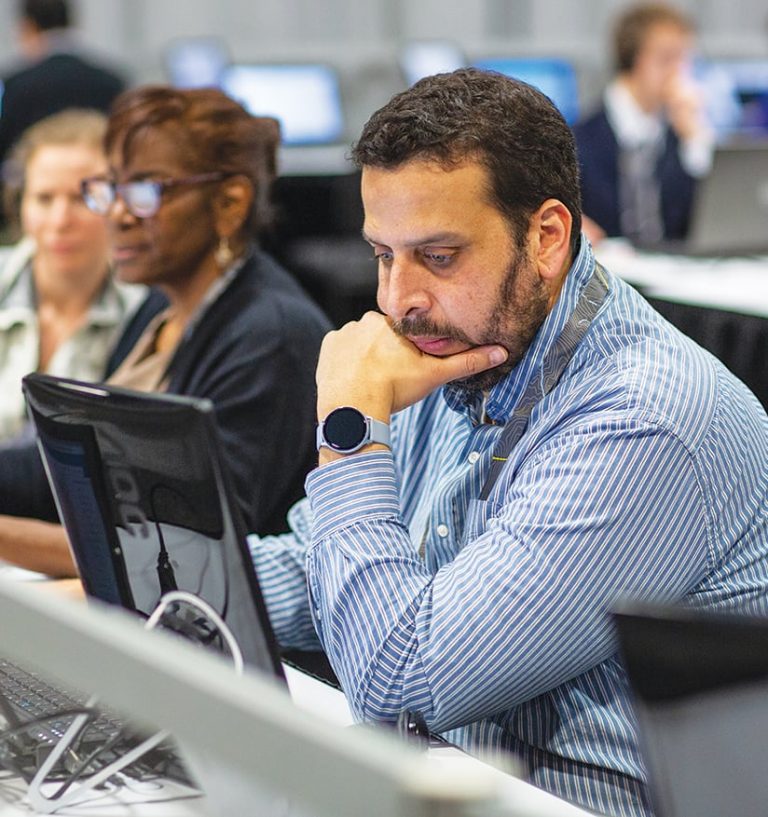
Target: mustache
(422, 326)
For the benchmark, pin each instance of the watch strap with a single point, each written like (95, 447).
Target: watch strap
(378, 432)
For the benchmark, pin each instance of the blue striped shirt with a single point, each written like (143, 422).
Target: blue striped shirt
(643, 474)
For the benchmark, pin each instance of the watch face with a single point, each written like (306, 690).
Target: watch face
(344, 429)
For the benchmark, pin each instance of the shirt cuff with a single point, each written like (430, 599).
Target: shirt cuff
(345, 491)
(696, 154)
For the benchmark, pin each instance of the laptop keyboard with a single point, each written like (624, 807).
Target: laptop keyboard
(36, 715)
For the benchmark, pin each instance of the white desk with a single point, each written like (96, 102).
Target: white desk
(735, 284)
(518, 797)
(722, 304)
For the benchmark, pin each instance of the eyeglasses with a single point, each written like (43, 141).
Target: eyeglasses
(142, 198)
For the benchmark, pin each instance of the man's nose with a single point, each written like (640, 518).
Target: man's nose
(402, 289)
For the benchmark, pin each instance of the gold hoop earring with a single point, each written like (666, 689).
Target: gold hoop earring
(223, 254)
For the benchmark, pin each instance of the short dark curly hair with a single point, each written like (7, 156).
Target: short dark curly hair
(511, 128)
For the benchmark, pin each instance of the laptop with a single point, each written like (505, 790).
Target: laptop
(700, 684)
(554, 77)
(735, 94)
(424, 58)
(304, 97)
(143, 493)
(730, 206)
(195, 62)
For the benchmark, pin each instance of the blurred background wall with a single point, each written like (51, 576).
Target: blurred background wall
(362, 37)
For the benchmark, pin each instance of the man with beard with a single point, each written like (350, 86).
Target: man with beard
(516, 442)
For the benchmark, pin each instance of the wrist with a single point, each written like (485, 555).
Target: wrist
(326, 455)
(346, 430)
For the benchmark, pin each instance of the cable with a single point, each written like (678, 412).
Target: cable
(64, 794)
(206, 610)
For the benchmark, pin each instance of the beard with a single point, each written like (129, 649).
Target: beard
(518, 312)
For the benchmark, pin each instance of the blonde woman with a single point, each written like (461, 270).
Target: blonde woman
(60, 309)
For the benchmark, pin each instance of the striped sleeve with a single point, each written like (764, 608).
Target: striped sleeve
(521, 609)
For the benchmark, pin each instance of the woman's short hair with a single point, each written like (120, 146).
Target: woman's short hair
(631, 30)
(213, 133)
(73, 126)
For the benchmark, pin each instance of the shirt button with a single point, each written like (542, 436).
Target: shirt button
(473, 457)
(442, 530)
(317, 613)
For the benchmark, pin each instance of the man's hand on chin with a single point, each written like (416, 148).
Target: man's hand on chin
(365, 364)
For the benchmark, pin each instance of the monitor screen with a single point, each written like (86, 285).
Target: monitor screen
(736, 94)
(554, 77)
(423, 58)
(195, 62)
(305, 98)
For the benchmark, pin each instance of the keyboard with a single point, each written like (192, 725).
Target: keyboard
(35, 714)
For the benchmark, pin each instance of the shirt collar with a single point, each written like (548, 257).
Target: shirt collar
(497, 405)
(632, 125)
(19, 302)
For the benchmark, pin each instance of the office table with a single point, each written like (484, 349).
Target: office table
(721, 303)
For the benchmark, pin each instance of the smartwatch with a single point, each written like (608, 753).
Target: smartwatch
(347, 430)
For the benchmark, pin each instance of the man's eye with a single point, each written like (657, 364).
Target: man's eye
(384, 256)
(439, 259)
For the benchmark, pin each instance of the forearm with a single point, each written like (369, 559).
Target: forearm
(36, 545)
(522, 607)
(279, 562)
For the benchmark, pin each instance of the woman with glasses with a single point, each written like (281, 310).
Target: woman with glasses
(60, 309)
(184, 194)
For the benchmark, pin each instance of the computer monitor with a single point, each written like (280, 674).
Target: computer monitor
(195, 62)
(305, 98)
(142, 490)
(736, 95)
(554, 77)
(423, 58)
(700, 682)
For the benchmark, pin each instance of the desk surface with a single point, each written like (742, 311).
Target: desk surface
(734, 284)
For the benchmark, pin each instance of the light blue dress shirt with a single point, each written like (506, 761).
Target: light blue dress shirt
(643, 474)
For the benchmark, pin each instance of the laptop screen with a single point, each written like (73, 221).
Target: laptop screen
(554, 77)
(735, 93)
(140, 487)
(731, 203)
(305, 98)
(195, 62)
(424, 58)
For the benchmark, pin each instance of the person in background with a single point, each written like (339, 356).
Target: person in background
(61, 311)
(641, 152)
(185, 193)
(56, 74)
(515, 442)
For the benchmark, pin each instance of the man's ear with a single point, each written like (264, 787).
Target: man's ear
(232, 205)
(550, 240)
